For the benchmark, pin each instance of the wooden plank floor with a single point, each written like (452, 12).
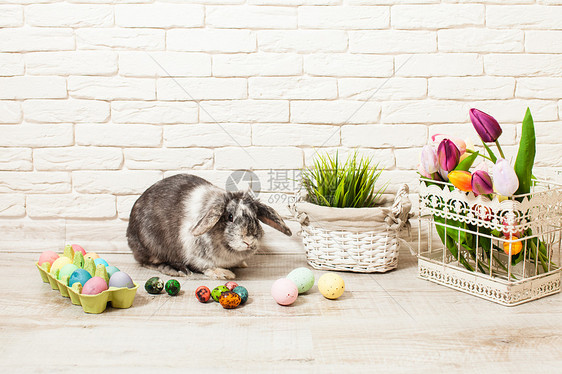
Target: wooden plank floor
(391, 322)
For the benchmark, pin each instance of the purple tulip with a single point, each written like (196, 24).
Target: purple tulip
(448, 155)
(485, 125)
(505, 179)
(481, 183)
(429, 159)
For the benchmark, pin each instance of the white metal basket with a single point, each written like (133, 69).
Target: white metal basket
(482, 268)
(329, 247)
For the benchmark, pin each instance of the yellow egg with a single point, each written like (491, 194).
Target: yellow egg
(60, 262)
(331, 285)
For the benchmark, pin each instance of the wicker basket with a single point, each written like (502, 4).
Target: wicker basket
(362, 240)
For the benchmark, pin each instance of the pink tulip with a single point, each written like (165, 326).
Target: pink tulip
(461, 144)
(448, 155)
(505, 179)
(429, 159)
(422, 171)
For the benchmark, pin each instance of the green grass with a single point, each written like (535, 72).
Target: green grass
(348, 185)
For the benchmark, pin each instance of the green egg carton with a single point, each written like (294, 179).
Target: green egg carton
(119, 297)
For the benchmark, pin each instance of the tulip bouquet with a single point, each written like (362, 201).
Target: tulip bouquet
(472, 226)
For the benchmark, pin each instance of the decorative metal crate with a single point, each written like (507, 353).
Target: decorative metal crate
(506, 251)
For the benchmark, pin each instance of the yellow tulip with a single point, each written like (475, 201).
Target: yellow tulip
(461, 179)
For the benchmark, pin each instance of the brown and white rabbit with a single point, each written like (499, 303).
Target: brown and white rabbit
(184, 223)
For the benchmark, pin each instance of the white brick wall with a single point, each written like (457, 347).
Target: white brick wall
(101, 98)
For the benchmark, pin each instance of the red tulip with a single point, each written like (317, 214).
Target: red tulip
(448, 155)
(485, 125)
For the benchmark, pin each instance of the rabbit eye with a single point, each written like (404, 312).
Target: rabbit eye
(230, 218)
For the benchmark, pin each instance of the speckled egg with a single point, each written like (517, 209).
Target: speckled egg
(216, 293)
(154, 285)
(331, 285)
(79, 275)
(67, 270)
(284, 291)
(229, 300)
(48, 256)
(111, 270)
(242, 292)
(203, 294)
(100, 261)
(231, 285)
(78, 248)
(303, 278)
(94, 286)
(121, 279)
(172, 287)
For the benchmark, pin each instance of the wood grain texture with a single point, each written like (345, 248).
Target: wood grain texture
(392, 322)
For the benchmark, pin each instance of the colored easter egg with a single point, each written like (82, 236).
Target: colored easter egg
(216, 293)
(78, 248)
(120, 280)
(154, 285)
(203, 294)
(94, 286)
(92, 255)
(172, 287)
(284, 291)
(67, 270)
(229, 300)
(231, 285)
(48, 256)
(59, 263)
(331, 285)
(100, 261)
(242, 292)
(303, 278)
(111, 270)
(79, 275)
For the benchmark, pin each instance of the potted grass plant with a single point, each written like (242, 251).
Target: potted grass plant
(347, 223)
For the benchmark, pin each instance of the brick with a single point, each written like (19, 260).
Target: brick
(30, 39)
(114, 135)
(394, 2)
(424, 111)
(407, 158)
(466, 131)
(392, 41)
(51, 111)
(211, 40)
(528, 65)
(71, 63)
(245, 111)
(348, 17)
(33, 88)
(543, 41)
(383, 156)
(295, 135)
(480, 40)
(294, 2)
(436, 16)
(514, 110)
(12, 205)
(11, 15)
(202, 88)
(69, 15)
(71, 206)
(539, 88)
(43, 135)
(251, 17)
(121, 38)
(384, 136)
(77, 158)
(548, 155)
(164, 64)
(103, 236)
(304, 41)
(111, 88)
(335, 112)
(348, 65)
(547, 132)
(159, 15)
(257, 64)
(154, 112)
(439, 65)
(15, 159)
(10, 112)
(524, 16)
(473, 88)
(382, 88)
(125, 205)
(11, 64)
(168, 159)
(258, 158)
(292, 88)
(207, 135)
(35, 182)
(121, 182)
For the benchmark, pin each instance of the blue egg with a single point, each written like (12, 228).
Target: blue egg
(79, 275)
(111, 270)
(101, 261)
(242, 292)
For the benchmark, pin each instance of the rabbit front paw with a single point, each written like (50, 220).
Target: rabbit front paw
(219, 273)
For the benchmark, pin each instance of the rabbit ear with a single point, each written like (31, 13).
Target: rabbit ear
(210, 218)
(271, 218)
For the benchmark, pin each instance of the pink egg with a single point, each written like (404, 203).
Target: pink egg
(48, 256)
(284, 291)
(94, 286)
(78, 248)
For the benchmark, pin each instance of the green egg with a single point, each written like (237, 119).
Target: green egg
(303, 278)
(154, 285)
(217, 291)
(172, 287)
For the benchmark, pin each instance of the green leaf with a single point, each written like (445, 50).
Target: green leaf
(490, 153)
(467, 162)
(526, 154)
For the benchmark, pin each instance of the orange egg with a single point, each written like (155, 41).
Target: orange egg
(516, 247)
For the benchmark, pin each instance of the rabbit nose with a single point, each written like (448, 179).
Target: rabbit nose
(247, 244)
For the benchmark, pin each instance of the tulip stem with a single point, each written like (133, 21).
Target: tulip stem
(480, 154)
(500, 149)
